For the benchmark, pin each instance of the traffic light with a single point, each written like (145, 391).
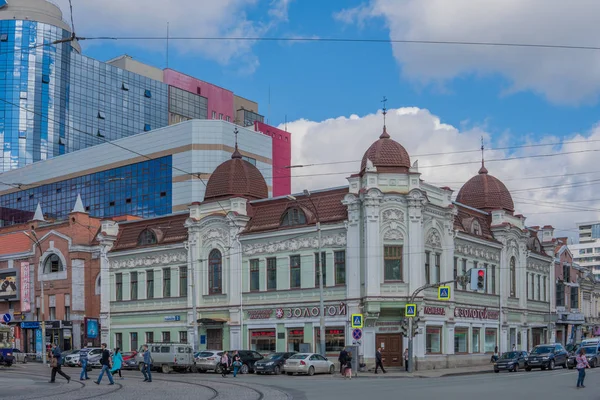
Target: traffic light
(415, 327)
(478, 279)
(404, 327)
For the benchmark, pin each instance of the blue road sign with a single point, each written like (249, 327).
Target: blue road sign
(6, 318)
(444, 293)
(357, 321)
(357, 334)
(411, 310)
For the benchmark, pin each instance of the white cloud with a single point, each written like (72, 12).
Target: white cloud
(562, 76)
(187, 18)
(347, 138)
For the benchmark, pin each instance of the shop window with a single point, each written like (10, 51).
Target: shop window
(294, 338)
(272, 273)
(149, 284)
(339, 259)
(392, 263)
(262, 341)
(334, 339)
(167, 282)
(318, 268)
(254, 275)
(475, 340)
(53, 264)
(433, 340)
(183, 281)
(461, 340)
(134, 285)
(214, 272)
(295, 272)
(293, 216)
(490, 341)
(119, 340)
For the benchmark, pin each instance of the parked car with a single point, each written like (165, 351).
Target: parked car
(71, 358)
(591, 353)
(129, 360)
(248, 358)
(209, 360)
(167, 357)
(547, 356)
(308, 363)
(511, 361)
(19, 356)
(65, 354)
(94, 357)
(272, 363)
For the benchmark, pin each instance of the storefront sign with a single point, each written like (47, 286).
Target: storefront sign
(25, 289)
(310, 312)
(263, 333)
(67, 334)
(476, 313)
(9, 283)
(30, 325)
(435, 310)
(53, 325)
(296, 332)
(260, 314)
(387, 326)
(171, 318)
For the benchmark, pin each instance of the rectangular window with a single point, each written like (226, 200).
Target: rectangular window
(464, 272)
(437, 267)
(166, 337)
(433, 340)
(147, 127)
(134, 285)
(392, 263)
(532, 287)
(574, 297)
(254, 275)
(220, 116)
(475, 340)
(566, 273)
(490, 341)
(295, 337)
(263, 341)
(214, 115)
(539, 287)
(545, 290)
(493, 279)
(318, 269)
(119, 340)
(119, 287)
(560, 295)
(334, 339)
(183, 281)
(455, 269)
(125, 86)
(3, 37)
(148, 93)
(427, 268)
(228, 118)
(295, 272)
(67, 313)
(45, 78)
(461, 340)
(167, 282)
(272, 273)
(133, 337)
(149, 337)
(52, 313)
(149, 284)
(339, 260)
(182, 336)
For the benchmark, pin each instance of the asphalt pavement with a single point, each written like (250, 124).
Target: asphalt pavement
(30, 381)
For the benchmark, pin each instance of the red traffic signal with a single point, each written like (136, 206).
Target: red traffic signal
(481, 273)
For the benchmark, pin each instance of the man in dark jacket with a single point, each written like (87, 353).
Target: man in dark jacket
(343, 359)
(55, 364)
(379, 360)
(105, 361)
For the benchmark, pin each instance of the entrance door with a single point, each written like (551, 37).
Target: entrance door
(391, 349)
(214, 339)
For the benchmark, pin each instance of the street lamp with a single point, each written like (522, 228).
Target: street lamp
(35, 241)
(320, 259)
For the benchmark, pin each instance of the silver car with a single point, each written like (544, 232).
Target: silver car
(308, 363)
(209, 360)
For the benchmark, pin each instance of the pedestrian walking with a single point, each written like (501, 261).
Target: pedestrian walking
(379, 360)
(582, 364)
(342, 359)
(55, 364)
(117, 363)
(105, 362)
(147, 368)
(237, 363)
(224, 364)
(495, 356)
(83, 359)
(406, 359)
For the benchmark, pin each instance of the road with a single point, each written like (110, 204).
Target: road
(30, 381)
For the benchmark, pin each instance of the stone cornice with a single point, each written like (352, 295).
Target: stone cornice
(295, 244)
(151, 260)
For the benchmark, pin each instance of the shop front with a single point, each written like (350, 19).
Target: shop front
(60, 333)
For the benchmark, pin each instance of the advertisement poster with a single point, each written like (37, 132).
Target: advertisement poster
(9, 281)
(25, 289)
(91, 328)
(38, 342)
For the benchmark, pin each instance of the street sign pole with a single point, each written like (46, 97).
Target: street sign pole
(410, 345)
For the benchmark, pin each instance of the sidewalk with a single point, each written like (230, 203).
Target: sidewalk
(433, 373)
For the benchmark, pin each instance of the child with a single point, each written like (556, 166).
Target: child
(348, 367)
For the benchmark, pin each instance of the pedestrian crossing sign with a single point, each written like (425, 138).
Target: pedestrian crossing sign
(357, 321)
(444, 293)
(411, 310)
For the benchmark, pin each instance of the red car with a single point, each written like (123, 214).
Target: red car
(129, 360)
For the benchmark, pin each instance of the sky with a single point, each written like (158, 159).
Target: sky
(442, 99)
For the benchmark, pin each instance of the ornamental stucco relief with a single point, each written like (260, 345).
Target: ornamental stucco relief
(434, 239)
(216, 234)
(475, 251)
(534, 266)
(393, 234)
(338, 240)
(161, 259)
(392, 214)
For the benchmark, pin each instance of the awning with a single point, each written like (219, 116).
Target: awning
(213, 320)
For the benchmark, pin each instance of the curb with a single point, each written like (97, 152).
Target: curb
(417, 376)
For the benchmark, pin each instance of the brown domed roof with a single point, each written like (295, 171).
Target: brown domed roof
(485, 192)
(236, 178)
(387, 155)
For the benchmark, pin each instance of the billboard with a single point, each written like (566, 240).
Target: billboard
(91, 328)
(9, 284)
(25, 288)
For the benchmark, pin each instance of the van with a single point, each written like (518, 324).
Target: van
(167, 357)
(590, 342)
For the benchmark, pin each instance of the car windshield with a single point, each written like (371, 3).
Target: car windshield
(204, 354)
(510, 355)
(589, 350)
(274, 356)
(543, 350)
(298, 356)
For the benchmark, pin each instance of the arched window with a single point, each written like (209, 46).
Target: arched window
(147, 237)
(53, 264)
(513, 277)
(215, 269)
(476, 228)
(293, 216)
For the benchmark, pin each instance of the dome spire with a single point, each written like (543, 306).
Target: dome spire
(236, 153)
(483, 169)
(384, 134)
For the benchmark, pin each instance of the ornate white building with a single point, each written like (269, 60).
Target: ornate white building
(249, 266)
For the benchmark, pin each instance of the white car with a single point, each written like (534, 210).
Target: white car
(308, 363)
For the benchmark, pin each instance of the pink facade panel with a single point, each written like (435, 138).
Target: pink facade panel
(220, 101)
(282, 157)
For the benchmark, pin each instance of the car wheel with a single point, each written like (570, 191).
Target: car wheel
(165, 369)
(218, 369)
(515, 368)
(244, 369)
(311, 371)
(496, 370)
(331, 370)
(593, 364)
(551, 365)
(277, 370)
(528, 369)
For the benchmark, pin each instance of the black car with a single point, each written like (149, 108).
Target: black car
(511, 361)
(547, 356)
(591, 353)
(248, 358)
(272, 363)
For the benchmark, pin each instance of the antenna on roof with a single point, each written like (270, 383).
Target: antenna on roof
(483, 170)
(384, 134)
(236, 153)
(167, 44)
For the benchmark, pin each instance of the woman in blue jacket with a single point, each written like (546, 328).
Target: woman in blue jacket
(117, 363)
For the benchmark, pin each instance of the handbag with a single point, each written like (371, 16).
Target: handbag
(54, 362)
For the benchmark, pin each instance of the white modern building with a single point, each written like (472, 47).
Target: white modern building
(586, 253)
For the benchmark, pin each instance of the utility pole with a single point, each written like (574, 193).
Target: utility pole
(35, 241)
